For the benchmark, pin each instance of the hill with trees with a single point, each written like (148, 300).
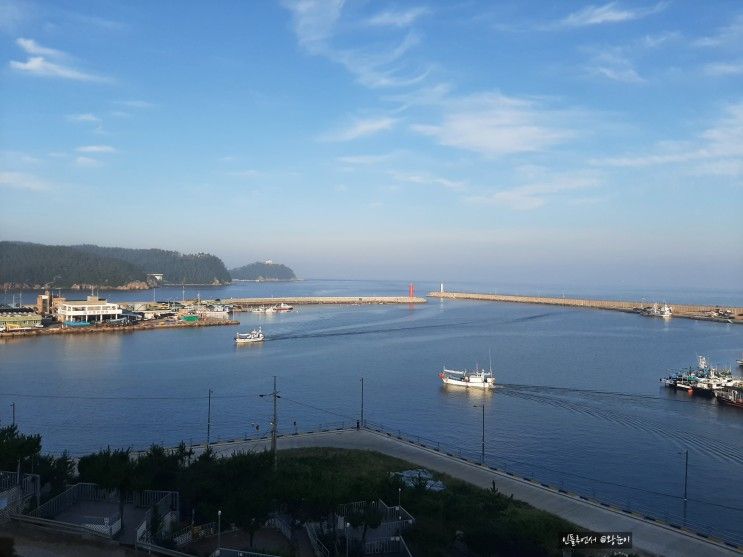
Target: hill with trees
(178, 268)
(28, 265)
(263, 271)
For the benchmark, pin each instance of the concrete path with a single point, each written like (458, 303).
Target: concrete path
(649, 536)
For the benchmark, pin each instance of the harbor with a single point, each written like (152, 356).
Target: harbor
(688, 311)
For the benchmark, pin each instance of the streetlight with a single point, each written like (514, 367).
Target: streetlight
(482, 452)
(348, 525)
(399, 494)
(219, 532)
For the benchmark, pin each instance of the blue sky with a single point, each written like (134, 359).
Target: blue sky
(555, 142)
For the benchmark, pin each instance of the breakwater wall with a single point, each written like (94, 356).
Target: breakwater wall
(692, 311)
(314, 300)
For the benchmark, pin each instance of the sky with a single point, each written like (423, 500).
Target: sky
(584, 143)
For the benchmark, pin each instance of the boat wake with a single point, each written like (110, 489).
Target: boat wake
(597, 408)
(375, 331)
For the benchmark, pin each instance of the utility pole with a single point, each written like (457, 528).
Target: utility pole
(686, 470)
(362, 402)
(209, 420)
(482, 450)
(12, 405)
(275, 395)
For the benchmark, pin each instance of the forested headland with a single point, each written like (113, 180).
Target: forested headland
(263, 271)
(29, 265)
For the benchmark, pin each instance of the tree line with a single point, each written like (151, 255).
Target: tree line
(31, 265)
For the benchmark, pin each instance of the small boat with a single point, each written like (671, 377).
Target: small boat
(256, 335)
(740, 362)
(731, 396)
(478, 379)
(665, 311)
(283, 307)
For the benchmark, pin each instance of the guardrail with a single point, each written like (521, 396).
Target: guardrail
(66, 499)
(64, 527)
(575, 485)
(317, 546)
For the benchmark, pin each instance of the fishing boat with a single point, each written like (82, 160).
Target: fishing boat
(477, 379)
(731, 396)
(740, 362)
(256, 335)
(283, 307)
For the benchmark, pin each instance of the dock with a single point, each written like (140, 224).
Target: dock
(701, 312)
(140, 326)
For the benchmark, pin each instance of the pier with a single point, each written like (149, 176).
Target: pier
(649, 534)
(702, 312)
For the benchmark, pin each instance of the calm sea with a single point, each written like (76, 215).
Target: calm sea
(580, 404)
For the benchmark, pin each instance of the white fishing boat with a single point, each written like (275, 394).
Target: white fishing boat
(256, 335)
(283, 307)
(740, 362)
(666, 311)
(477, 379)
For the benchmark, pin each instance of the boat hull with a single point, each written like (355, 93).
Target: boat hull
(467, 384)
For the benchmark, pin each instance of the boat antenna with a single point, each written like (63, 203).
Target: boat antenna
(490, 358)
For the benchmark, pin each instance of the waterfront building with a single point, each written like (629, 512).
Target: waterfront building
(14, 319)
(90, 310)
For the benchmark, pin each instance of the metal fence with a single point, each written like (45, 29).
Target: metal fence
(74, 494)
(317, 546)
(601, 492)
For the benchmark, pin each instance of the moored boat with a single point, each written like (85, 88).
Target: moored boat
(256, 335)
(283, 307)
(732, 396)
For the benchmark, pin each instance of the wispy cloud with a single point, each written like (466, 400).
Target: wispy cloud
(607, 13)
(49, 62)
(360, 128)
(87, 162)
(717, 149)
(250, 173)
(729, 35)
(135, 104)
(32, 47)
(87, 117)
(96, 149)
(494, 125)
(379, 65)
(366, 159)
(534, 195)
(398, 18)
(22, 181)
(426, 179)
(719, 69)
(614, 65)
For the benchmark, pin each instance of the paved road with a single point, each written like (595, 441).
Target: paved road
(649, 536)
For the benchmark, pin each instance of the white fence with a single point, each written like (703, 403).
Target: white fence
(317, 546)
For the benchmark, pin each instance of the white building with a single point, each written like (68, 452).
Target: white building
(93, 309)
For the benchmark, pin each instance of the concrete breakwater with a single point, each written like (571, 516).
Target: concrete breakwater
(703, 312)
(247, 303)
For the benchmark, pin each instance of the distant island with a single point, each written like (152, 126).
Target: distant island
(263, 270)
(34, 266)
